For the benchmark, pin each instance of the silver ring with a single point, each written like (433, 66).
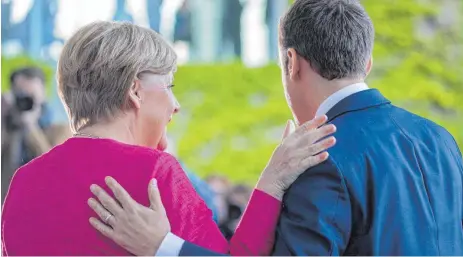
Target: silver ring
(107, 218)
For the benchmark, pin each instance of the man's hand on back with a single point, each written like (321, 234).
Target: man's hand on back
(138, 229)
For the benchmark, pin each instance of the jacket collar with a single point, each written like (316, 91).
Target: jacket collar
(358, 101)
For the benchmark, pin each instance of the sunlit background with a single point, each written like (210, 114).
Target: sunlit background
(228, 82)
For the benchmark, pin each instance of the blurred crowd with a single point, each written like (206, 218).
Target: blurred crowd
(209, 31)
(229, 30)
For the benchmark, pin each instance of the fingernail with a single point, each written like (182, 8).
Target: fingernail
(93, 188)
(325, 156)
(108, 180)
(91, 201)
(332, 127)
(330, 141)
(154, 183)
(288, 123)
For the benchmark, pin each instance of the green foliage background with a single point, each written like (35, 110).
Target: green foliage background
(232, 116)
(11, 64)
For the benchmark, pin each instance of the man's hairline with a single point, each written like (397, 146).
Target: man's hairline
(13, 82)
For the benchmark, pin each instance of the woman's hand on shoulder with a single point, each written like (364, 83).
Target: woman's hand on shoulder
(138, 229)
(300, 149)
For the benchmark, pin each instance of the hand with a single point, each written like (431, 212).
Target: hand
(138, 229)
(30, 118)
(299, 150)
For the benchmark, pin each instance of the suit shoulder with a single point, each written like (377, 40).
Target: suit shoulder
(327, 169)
(411, 122)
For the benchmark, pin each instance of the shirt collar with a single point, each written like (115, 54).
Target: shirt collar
(338, 96)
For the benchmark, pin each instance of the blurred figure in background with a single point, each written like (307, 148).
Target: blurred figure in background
(273, 11)
(231, 26)
(220, 185)
(154, 14)
(182, 28)
(236, 202)
(27, 131)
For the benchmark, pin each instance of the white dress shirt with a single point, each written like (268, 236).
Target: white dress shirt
(338, 96)
(172, 244)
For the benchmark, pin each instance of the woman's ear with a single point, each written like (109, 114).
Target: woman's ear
(135, 94)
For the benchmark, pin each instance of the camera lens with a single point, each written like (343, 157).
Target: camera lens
(24, 103)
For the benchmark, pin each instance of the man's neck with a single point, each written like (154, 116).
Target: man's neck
(321, 90)
(328, 88)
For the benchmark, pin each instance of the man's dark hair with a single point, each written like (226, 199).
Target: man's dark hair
(29, 73)
(334, 36)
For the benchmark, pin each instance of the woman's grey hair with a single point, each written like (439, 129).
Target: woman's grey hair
(100, 62)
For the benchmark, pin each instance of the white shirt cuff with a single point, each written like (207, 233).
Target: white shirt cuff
(170, 246)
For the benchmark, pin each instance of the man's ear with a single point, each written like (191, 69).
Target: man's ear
(135, 94)
(293, 64)
(369, 66)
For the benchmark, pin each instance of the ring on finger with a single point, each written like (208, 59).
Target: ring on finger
(106, 220)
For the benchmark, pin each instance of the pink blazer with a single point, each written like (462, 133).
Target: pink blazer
(46, 212)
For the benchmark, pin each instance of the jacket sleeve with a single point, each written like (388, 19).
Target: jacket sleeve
(316, 216)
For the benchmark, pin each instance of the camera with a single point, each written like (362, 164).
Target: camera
(24, 103)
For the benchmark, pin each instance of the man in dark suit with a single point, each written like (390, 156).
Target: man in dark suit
(393, 184)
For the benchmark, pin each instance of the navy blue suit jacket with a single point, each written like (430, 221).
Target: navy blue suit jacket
(392, 186)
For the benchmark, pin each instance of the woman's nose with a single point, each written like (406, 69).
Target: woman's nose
(177, 106)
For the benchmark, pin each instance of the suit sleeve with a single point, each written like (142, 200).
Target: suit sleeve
(189, 249)
(316, 216)
(192, 220)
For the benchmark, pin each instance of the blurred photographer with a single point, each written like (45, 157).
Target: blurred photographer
(236, 202)
(26, 122)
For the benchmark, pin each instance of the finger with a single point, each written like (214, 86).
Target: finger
(321, 146)
(286, 132)
(119, 192)
(104, 214)
(107, 201)
(288, 129)
(312, 161)
(155, 196)
(312, 124)
(314, 149)
(315, 135)
(102, 228)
